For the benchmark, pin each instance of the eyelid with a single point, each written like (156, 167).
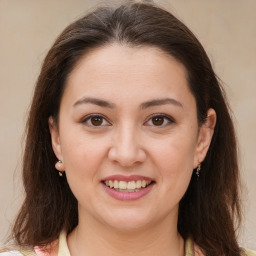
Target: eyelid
(165, 116)
(88, 117)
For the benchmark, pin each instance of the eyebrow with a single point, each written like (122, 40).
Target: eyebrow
(95, 101)
(158, 102)
(147, 104)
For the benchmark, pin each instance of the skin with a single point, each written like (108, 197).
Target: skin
(128, 142)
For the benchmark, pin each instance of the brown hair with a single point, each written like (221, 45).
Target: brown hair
(210, 209)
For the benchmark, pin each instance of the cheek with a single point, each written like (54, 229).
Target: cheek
(174, 154)
(82, 156)
(174, 161)
(83, 159)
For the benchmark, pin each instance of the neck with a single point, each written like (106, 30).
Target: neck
(91, 239)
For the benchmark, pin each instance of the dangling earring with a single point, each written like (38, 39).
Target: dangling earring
(59, 167)
(198, 170)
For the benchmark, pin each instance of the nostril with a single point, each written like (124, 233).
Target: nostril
(126, 157)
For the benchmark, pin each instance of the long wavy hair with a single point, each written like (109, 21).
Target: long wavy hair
(210, 211)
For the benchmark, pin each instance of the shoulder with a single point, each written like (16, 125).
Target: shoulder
(18, 252)
(11, 253)
(249, 253)
(48, 250)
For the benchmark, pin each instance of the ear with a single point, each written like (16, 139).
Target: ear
(206, 132)
(56, 146)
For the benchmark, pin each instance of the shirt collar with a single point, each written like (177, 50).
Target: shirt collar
(64, 251)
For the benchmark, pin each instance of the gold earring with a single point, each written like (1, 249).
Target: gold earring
(198, 170)
(59, 166)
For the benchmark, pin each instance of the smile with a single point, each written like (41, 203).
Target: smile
(130, 186)
(127, 187)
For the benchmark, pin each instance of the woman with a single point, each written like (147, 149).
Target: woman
(130, 146)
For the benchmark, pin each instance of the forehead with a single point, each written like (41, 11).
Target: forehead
(121, 70)
(116, 57)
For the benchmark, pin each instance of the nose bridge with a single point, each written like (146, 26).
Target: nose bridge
(126, 140)
(126, 148)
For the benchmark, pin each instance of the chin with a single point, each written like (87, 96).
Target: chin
(128, 220)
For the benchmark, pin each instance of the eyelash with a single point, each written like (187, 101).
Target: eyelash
(167, 120)
(88, 118)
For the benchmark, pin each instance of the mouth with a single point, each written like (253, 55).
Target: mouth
(127, 186)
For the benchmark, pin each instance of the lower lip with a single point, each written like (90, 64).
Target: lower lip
(127, 196)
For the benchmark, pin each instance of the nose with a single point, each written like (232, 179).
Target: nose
(126, 149)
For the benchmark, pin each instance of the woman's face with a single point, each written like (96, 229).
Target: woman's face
(128, 136)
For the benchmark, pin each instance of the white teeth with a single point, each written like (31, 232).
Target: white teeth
(116, 184)
(131, 185)
(138, 184)
(111, 184)
(128, 186)
(122, 185)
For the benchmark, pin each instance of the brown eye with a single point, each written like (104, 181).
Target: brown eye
(96, 120)
(158, 120)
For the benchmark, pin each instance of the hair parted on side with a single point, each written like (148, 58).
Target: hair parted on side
(210, 209)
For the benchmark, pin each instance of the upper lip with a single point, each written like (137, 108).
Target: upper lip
(120, 177)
